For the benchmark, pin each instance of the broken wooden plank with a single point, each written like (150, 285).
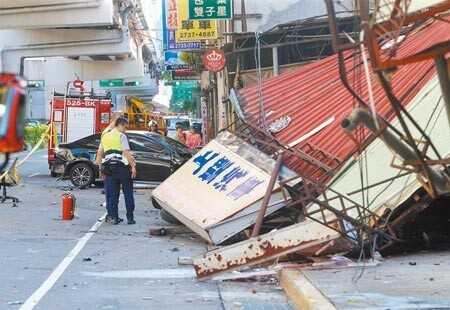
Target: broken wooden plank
(262, 248)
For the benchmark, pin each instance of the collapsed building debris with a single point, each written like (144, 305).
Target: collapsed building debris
(360, 196)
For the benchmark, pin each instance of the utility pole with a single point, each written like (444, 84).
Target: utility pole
(244, 18)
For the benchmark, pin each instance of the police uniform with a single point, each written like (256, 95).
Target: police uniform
(113, 143)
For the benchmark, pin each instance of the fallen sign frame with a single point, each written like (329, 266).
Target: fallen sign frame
(262, 248)
(228, 178)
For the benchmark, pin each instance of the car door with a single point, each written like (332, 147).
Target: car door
(153, 162)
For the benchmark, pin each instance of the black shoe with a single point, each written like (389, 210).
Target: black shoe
(120, 219)
(131, 221)
(115, 221)
(107, 219)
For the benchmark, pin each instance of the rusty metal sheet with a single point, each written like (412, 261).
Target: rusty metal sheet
(263, 248)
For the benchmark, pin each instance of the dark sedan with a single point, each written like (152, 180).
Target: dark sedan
(156, 156)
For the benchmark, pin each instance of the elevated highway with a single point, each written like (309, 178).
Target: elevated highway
(82, 30)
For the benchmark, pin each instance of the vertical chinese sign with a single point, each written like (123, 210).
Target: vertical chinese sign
(170, 25)
(171, 14)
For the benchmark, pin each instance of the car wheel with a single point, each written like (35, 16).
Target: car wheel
(52, 173)
(155, 204)
(81, 175)
(169, 218)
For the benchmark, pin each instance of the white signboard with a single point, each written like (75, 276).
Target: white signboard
(213, 185)
(80, 123)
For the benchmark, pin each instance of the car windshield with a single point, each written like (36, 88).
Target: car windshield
(90, 142)
(172, 122)
(180, 147)
(142, 143)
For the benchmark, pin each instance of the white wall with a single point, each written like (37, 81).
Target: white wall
(281, 11)
(42, 14)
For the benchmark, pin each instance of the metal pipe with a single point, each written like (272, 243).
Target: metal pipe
(124, 14)
(244, 17)
(276, 67)
(266, 199)
(360, 115)
(444, 80)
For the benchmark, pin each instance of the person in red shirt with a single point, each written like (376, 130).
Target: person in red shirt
(194, 139)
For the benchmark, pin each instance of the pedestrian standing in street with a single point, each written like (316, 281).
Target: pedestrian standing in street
(153, 127)
(193, 139)
(100, 160)
(119, 167)
(179, 135)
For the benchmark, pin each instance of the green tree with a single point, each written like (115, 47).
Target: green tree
(190, 58)
(190, 106)
(176, 107)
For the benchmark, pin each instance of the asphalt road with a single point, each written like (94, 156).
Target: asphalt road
(48, 263)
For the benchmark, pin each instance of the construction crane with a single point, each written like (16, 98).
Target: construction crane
(139, 115)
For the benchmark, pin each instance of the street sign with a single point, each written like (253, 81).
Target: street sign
(111, 83)
(210, 9)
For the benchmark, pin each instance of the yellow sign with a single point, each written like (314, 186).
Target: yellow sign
(189, 30)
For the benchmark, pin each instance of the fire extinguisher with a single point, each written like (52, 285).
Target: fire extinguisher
(68, 207)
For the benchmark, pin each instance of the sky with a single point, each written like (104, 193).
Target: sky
(164, 94)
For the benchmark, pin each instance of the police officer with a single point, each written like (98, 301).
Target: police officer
(115, 151)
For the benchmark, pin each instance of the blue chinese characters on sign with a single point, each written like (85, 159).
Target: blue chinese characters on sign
(245, 188)
(212, 167)
(235, 173)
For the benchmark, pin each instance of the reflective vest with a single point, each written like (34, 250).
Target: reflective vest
(111, 141)
(112, 145)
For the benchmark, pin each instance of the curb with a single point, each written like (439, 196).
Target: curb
(303, 294)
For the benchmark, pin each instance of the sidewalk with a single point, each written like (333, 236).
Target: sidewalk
(410, 281)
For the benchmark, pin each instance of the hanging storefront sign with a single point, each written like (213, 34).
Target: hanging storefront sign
(191, 30)
(214, 60)
(173, 61)
(172, 45)
(185, 75)
(204, 115)
(210, 9)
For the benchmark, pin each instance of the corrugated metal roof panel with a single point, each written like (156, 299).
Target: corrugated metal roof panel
(313, 93)
(375, 163)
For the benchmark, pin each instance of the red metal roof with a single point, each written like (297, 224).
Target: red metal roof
(312, 94)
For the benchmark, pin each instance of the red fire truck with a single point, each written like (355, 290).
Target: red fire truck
(74, 117)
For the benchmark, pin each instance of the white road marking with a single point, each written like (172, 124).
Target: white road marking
(33, 300)
(34, 174)
(146, 274)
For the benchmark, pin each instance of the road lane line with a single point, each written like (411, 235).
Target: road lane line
(34, 174)
(33, 300)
